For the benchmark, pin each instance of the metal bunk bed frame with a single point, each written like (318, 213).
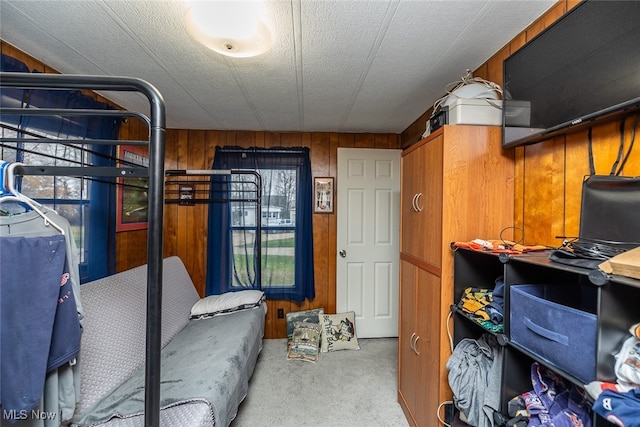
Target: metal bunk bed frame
(155, 173)
(201, 187)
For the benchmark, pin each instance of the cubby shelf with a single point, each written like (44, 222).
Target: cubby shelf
(612, 299)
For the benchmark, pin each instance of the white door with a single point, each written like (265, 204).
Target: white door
(368, 200)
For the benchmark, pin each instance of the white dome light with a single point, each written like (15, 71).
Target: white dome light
(232, 28)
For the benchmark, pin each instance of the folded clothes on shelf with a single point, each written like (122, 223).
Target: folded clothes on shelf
(551, 402)
(484, 306)
(619, 408)
(498, 246)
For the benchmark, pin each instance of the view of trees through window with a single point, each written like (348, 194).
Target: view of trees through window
(66, 195)
(277, 218)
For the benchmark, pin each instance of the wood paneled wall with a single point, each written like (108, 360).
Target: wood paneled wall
(549, 174)
(185, 227)
(548, 181)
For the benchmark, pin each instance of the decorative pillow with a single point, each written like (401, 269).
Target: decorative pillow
(310, 316)
(305, 343)
(226, 303)
(339, 332)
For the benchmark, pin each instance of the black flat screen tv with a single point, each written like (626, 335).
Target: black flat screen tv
(584, 67)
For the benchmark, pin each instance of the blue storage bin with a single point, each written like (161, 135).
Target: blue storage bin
(543, 322)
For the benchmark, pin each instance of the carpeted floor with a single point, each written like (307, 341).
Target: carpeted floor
(343, 388)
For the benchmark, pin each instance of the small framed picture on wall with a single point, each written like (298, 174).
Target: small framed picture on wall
(323, 195)
(131, 195)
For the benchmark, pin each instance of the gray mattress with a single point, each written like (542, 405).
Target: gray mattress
(205, 376)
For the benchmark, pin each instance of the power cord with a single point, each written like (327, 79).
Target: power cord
(633, 137)
(440, 406)
(449, 333)
(468, 79)
(595, 248)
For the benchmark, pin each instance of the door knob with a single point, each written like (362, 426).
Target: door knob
(343, 253)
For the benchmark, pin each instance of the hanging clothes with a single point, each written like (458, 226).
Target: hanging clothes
(31, 271)
(474, 376)
(59, 386)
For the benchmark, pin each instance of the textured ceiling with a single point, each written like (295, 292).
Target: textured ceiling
(335, 66)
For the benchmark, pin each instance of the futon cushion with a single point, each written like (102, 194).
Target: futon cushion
(228, 302)
(339, 332)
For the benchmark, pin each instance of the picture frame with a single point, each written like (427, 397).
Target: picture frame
(323, 195)
(132, 192)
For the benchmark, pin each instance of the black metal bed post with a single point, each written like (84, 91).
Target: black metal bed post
(156, 205)
(155, 252)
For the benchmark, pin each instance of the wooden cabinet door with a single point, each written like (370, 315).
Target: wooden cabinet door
(407, 359)
(418, 373)
(411, 186)
(427, 376)
(421, 201)
(432, 201)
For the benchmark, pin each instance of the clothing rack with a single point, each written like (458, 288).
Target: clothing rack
(198, 191)
(155, 173)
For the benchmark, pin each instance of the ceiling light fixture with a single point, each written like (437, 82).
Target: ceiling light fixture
(232, 28)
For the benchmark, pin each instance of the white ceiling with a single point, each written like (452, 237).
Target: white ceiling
(335, 65)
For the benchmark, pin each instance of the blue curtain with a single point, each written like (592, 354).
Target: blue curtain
(100, 229)
(219, 256)
(12, 97)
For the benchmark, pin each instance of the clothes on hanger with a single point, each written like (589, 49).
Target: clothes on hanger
(60, 388)
(8, 193)
(31, 269)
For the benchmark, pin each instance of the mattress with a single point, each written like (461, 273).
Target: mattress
(205, 372)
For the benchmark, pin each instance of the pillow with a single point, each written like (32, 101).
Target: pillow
(339, 332)
(226, 303)
(305, 342)
(311, 316)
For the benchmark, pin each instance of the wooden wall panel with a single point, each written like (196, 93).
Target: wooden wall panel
(548, 175)
(186, 226)
(133, 243)
(548, 180)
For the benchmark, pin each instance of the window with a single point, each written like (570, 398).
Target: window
(286, 237)
(278, 231)
(66, 195)
(86, 203)
(71, 197)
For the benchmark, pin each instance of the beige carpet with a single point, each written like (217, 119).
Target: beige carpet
(343, 388)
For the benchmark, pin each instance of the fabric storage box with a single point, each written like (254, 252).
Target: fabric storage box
(543, 321)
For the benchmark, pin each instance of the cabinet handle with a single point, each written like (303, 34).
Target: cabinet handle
(418, 207)
(413, 202)
(411, 342)
(415, 343)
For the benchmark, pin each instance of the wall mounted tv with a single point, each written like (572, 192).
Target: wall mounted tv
(584, 67)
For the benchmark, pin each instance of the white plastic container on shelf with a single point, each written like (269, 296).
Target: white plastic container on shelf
(475, 111)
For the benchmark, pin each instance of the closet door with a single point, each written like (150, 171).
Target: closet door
(428, 376)
(421, 196)
(411, 195)
(418, 385)
(432, 205)
(408, 360)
